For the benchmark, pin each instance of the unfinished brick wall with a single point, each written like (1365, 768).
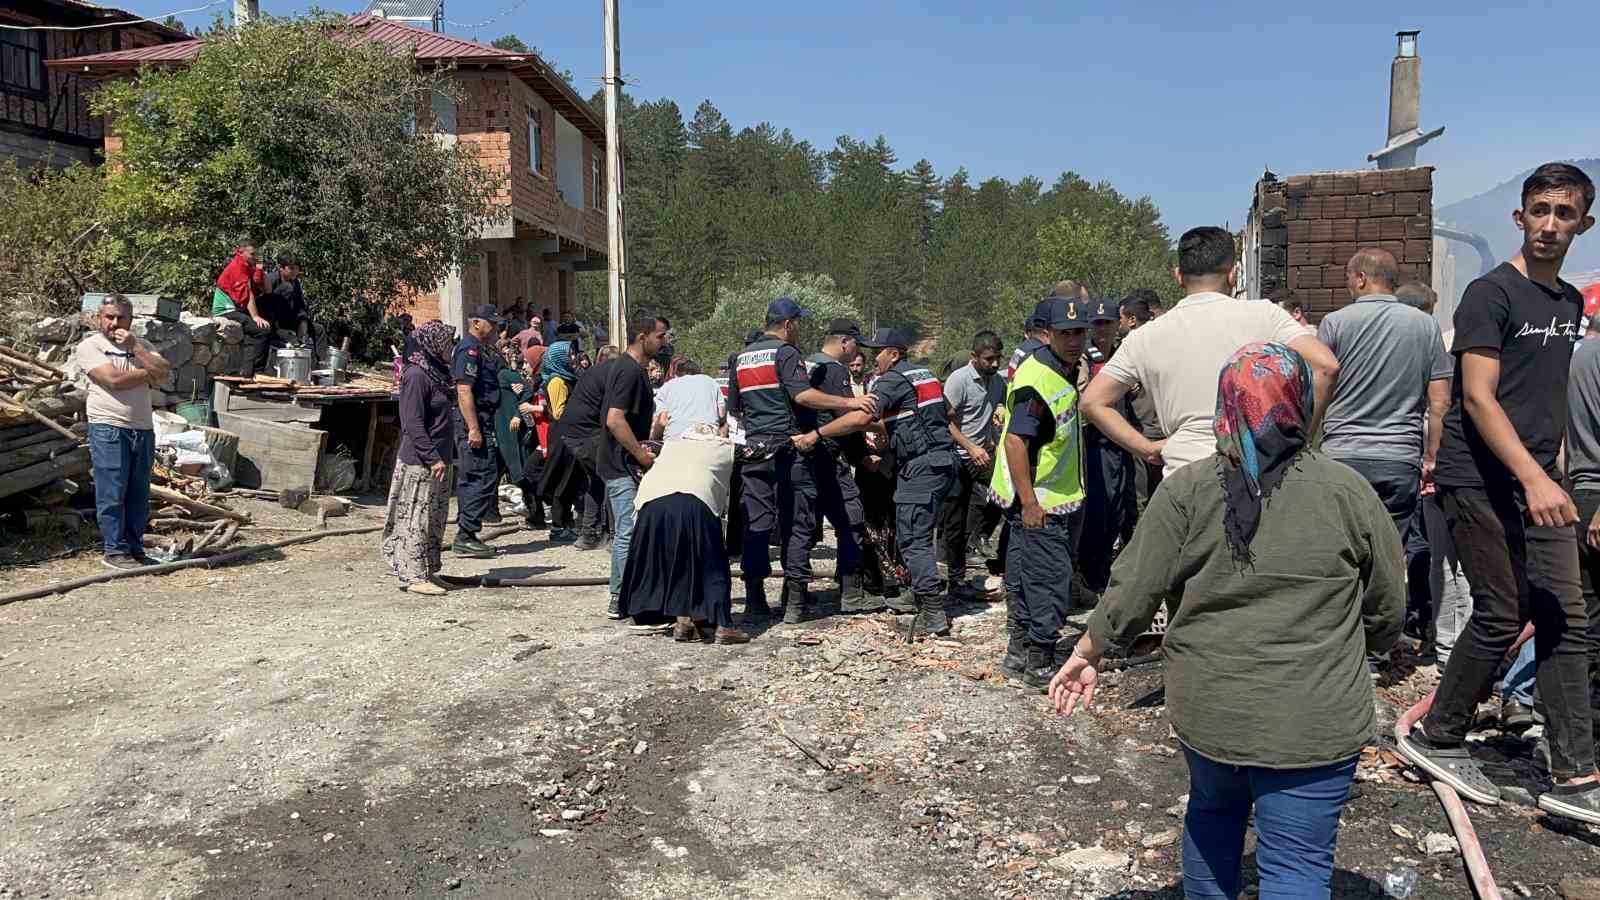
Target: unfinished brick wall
(1310, 226)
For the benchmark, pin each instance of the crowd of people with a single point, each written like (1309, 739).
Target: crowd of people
(1290, 498)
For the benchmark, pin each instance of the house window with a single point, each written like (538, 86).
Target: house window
(535, 141)
(599, 183)
(22, 62)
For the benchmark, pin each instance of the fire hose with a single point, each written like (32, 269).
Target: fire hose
(1454, 810)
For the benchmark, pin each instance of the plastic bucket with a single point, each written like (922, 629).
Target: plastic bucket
(195, 412)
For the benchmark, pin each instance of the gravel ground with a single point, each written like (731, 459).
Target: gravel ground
(298, 727)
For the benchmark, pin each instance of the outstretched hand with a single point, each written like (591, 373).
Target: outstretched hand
(1072, 688)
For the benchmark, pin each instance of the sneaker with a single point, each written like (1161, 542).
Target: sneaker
(1452, 765)
(471, 547)
(1580, 802)
(614, 609)
(121, 561)
(426, 589)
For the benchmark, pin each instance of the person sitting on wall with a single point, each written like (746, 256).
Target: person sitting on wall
(284, 304)
(235, 297)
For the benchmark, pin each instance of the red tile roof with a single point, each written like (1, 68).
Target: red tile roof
(430, 48)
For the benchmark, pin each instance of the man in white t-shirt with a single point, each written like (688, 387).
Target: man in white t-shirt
(121, 370)
(690, 399)
(1178, 357)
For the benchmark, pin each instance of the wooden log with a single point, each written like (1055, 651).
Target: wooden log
(22, 435)
(168, 495)
(73, 462)
(16, 360)
(27, 456)
(37, 416)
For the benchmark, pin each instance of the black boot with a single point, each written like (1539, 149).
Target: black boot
(796, 602)
(853, 596)
(469, 546)
(1016, 658)
(1040, 666)
(756, 610)
(930, 620)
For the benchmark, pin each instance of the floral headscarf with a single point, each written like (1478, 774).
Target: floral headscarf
(1263, 407)
(436, 343)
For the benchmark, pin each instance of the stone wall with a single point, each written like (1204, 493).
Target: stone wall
(199, 348)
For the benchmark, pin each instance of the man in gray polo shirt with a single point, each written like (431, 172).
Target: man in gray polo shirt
(972, 393)
(1393, 372)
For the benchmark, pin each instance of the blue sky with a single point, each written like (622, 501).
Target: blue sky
(1184, 102)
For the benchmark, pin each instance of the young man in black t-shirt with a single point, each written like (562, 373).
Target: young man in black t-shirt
(1508, 515)
(625, 416)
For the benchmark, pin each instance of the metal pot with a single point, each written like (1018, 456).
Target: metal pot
(336, 359)
(294, 364)
(327, 376)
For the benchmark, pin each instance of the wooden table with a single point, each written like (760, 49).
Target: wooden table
(273, 402)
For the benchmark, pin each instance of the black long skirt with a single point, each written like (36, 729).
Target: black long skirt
(677, 565)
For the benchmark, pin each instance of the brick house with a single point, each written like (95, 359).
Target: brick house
(1303, 229)
(521, 120)
(44, 112)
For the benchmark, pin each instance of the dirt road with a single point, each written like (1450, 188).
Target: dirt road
(297, 727)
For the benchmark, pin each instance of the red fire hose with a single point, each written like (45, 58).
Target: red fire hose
(1471, 851)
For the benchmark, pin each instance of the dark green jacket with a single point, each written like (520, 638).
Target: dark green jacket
(1265, 666)
(513, 444)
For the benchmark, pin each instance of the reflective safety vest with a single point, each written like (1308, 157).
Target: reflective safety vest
(1058, 477)
(764, 407)
(922, 425)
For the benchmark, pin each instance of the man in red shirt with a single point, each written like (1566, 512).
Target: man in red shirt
(234, 297)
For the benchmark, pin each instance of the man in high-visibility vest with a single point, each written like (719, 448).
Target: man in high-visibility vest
(1038, 481)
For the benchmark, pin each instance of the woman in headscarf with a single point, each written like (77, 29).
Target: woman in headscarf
(514, 431)
(419, 494)
(558, 374)
(677, 570)
(1284, 570)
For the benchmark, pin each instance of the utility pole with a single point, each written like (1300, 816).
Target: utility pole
(245, 12)
(616, 252)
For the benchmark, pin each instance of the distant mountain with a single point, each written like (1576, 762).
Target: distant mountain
(1489, 214)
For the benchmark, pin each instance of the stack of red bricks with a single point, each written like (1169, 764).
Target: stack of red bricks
(1312, 224)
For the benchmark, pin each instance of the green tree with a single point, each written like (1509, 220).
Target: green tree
(49, 230)
(743, 307)
(510, 42)
(295, 134)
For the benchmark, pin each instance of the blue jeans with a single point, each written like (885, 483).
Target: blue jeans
(620, 493)
(1297, 822)
(120, 460)
(1518, 683)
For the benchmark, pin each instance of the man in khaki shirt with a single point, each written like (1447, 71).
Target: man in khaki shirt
(1178, 357)
(121, 370)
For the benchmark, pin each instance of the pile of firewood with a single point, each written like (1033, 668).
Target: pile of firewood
(190, 515)
(39, 445)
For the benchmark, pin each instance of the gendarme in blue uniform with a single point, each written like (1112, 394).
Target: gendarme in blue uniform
(478, 467)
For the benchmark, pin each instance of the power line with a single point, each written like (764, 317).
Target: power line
(492, 19)
(156, 19)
